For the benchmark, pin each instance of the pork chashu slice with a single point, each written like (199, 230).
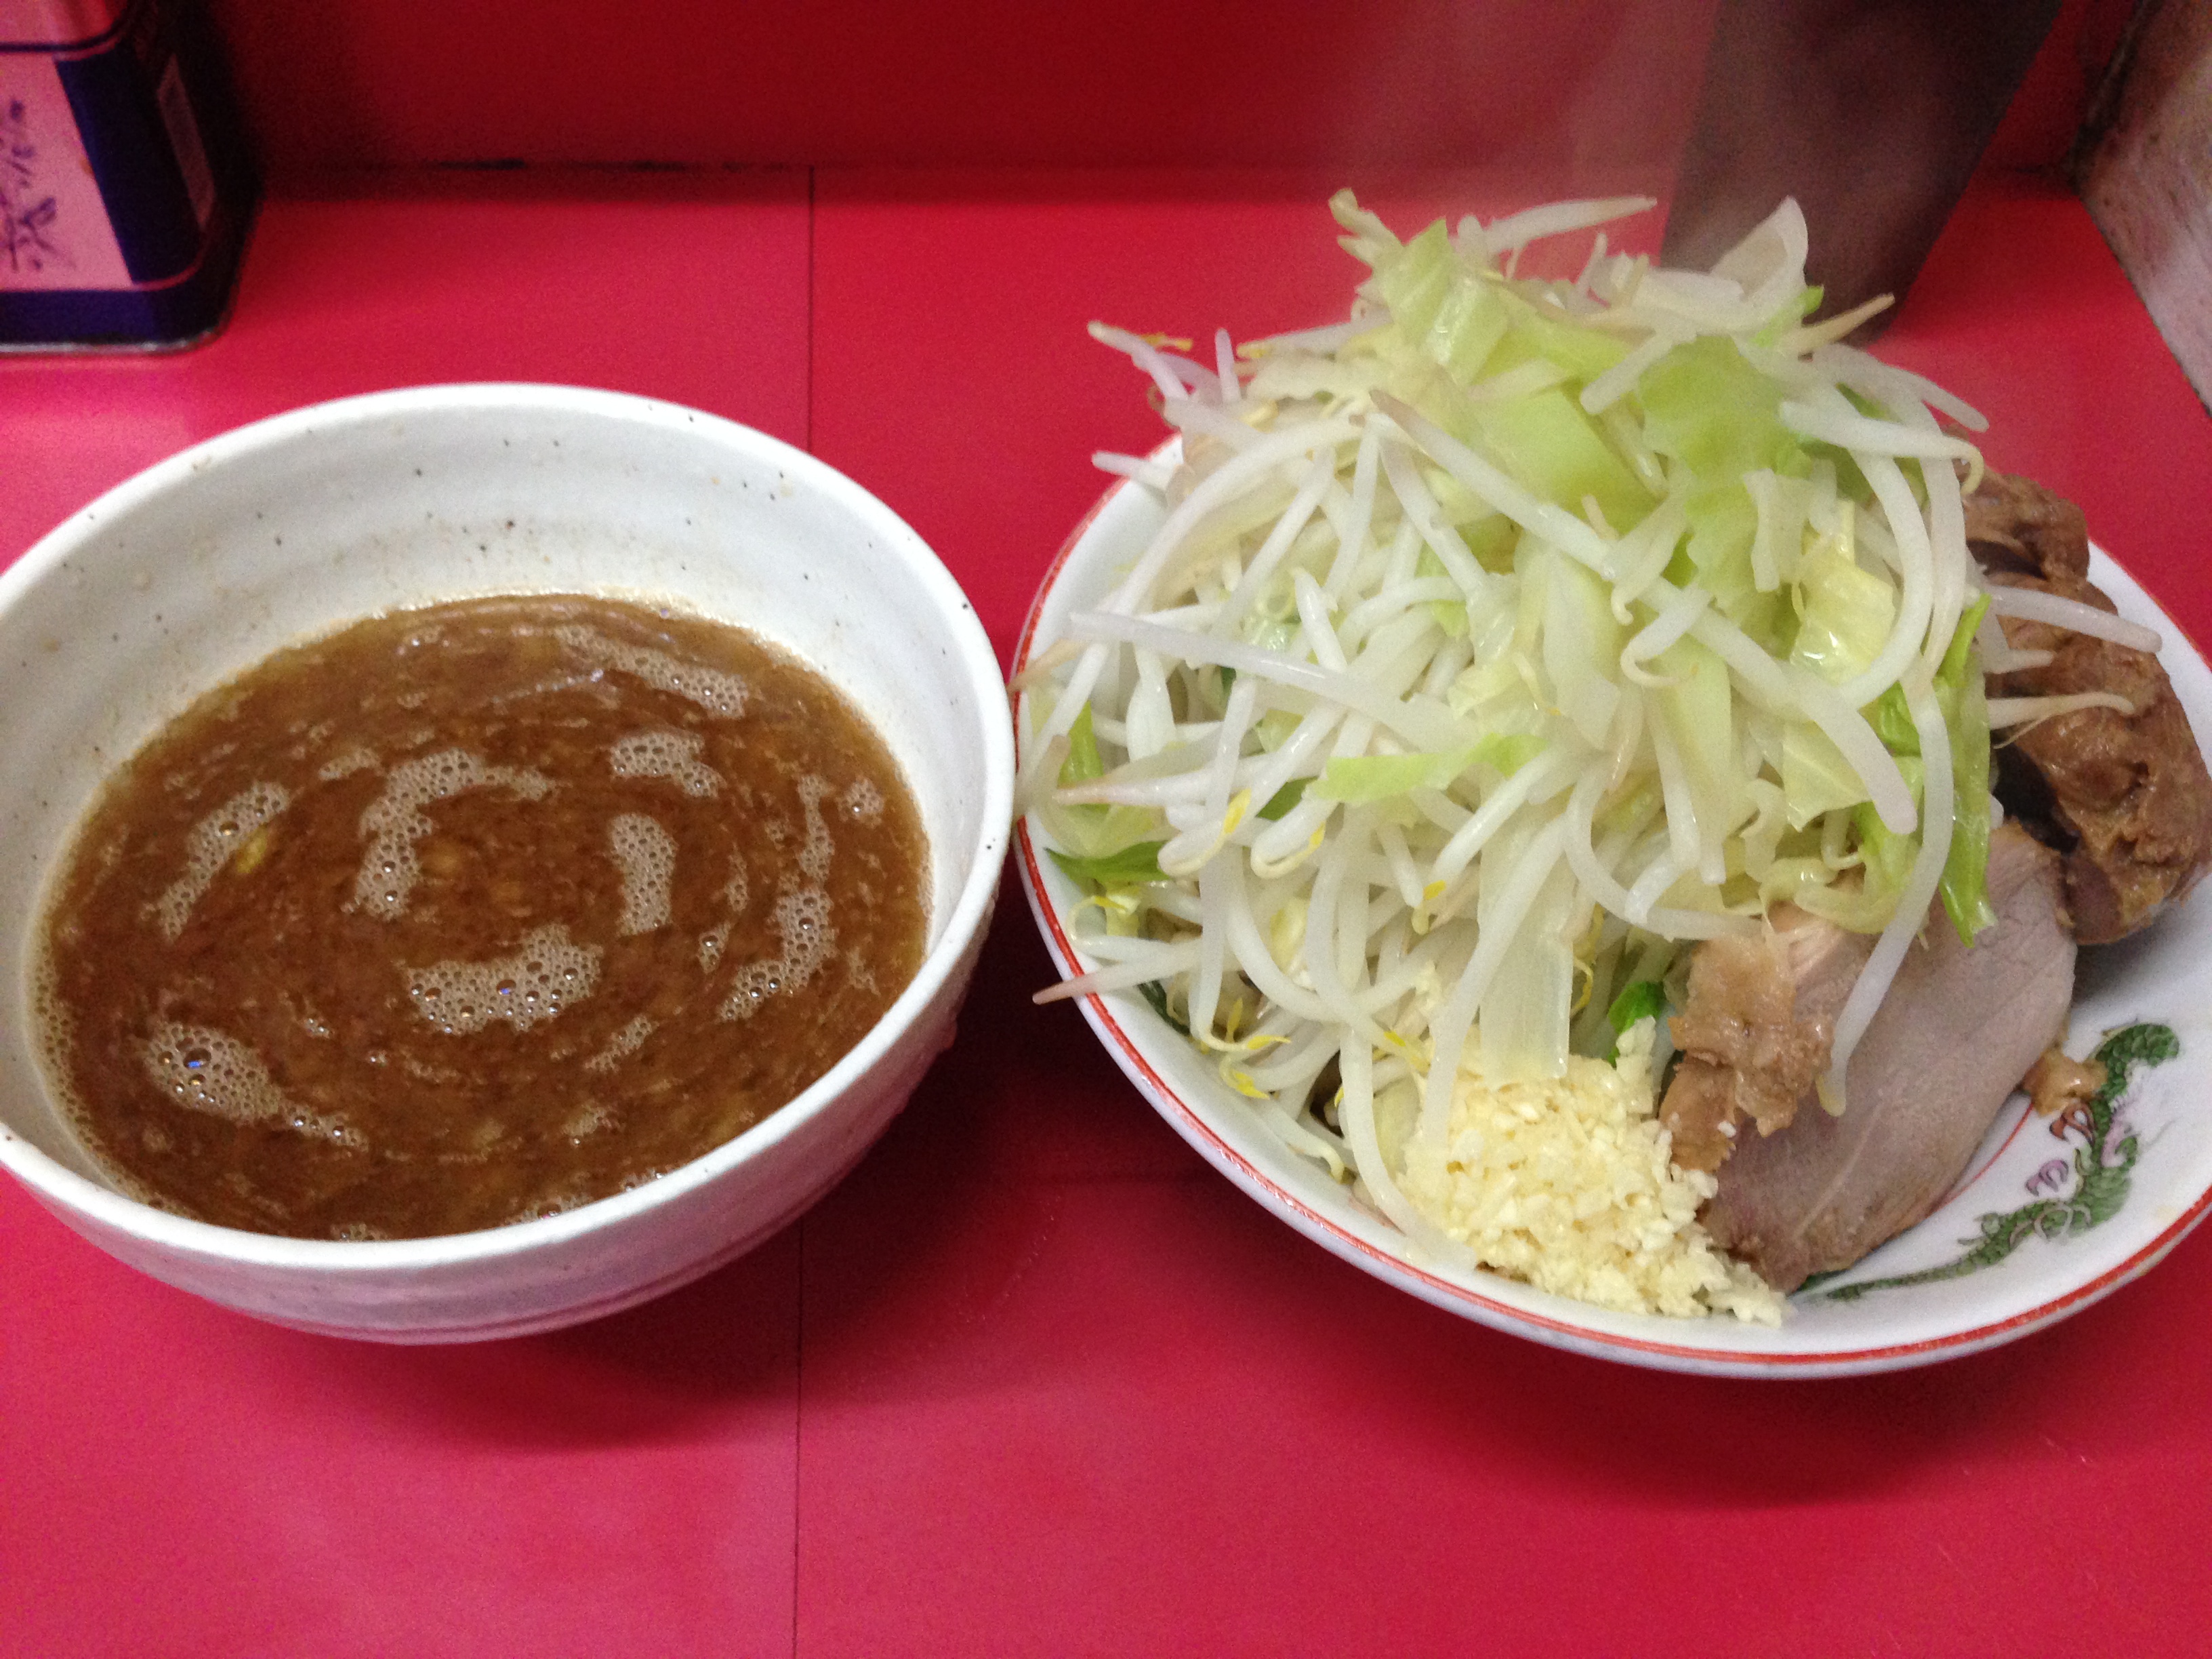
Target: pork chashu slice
(1954, 1035)
(2125, 797)
(1756, 1032)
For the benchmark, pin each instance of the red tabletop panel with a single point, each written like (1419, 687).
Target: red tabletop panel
(181, 1480)
(688, 289)
(1034, 1380)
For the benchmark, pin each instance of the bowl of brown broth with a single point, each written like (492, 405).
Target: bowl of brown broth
(479, 856)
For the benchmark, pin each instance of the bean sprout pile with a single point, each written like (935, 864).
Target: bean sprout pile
(1504, 640)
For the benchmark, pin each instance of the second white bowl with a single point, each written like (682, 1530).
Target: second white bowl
(200, 567)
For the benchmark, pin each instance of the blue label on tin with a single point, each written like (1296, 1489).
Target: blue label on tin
(116, 225)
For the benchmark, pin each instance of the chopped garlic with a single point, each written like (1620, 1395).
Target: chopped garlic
(1567, 1184)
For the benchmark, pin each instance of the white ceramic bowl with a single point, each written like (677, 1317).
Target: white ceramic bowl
(198, 567)
(2067, 1238)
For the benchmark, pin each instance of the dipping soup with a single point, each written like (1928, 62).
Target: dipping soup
(473, 913)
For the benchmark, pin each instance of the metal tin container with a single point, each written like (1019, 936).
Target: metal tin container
(124, 189)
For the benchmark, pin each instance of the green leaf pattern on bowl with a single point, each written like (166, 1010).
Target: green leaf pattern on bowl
(2102, 1164)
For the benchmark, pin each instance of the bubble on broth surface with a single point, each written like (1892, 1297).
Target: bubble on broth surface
(213, 841)
(395, 821)
(665, 754)
(646, 855)
(802, 923)
(713, 689)
(547, 973)
(863, 800)
(345, 765)
(212, 1072)
(627, 1040)
(591, 1118)
(588, 684)
(814, 852)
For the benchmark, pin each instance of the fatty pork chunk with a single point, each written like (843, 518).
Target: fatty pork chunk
(1804, 1192)
(2124, 798)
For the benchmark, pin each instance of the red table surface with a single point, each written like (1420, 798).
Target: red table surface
(1034, 1379)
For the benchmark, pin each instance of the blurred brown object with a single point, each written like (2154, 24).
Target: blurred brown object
(2144, 166)
(1871, 112)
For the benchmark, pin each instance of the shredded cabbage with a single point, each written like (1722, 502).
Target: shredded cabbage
(1499, 643)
